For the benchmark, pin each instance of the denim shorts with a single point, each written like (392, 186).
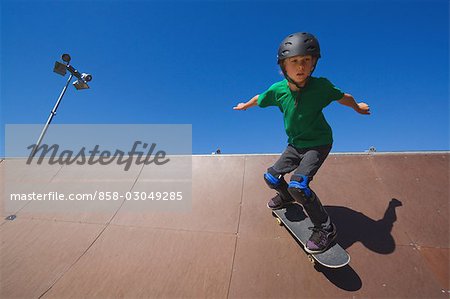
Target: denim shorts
(305, 161)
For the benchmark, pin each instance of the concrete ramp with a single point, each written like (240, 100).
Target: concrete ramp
(391, 210)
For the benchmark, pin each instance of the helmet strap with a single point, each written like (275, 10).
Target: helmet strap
(300, 88)
(292, 81)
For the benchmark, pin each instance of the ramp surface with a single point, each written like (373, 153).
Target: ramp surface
(391, 210)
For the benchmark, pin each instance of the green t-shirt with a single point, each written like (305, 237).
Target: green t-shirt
(304, 123)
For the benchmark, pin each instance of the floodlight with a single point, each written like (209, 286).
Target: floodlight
(86, 77)
(60, 68)
(80, 84)
(66, 58)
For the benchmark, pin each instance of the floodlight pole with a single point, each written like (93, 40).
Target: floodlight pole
(50, 117)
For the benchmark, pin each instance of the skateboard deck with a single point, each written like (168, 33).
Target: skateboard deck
(296, 221)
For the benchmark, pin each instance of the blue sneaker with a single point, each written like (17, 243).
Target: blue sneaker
(278, 203)
(321, 239)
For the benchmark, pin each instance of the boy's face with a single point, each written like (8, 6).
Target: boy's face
(299, 68)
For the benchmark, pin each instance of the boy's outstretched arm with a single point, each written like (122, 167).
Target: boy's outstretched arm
(251, 103)
(348, 100)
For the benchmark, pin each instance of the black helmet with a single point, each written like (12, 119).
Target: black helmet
(300, 43)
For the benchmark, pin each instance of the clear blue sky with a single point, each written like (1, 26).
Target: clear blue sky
(190, 62)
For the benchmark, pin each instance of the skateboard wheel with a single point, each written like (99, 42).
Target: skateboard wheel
(279, 222)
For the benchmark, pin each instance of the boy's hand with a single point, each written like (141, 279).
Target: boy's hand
(240, 106)
(363, 108)
(251, 103)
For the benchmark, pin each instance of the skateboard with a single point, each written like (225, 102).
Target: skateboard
(296, 221)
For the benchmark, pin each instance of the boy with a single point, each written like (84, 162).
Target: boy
(301, 98)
